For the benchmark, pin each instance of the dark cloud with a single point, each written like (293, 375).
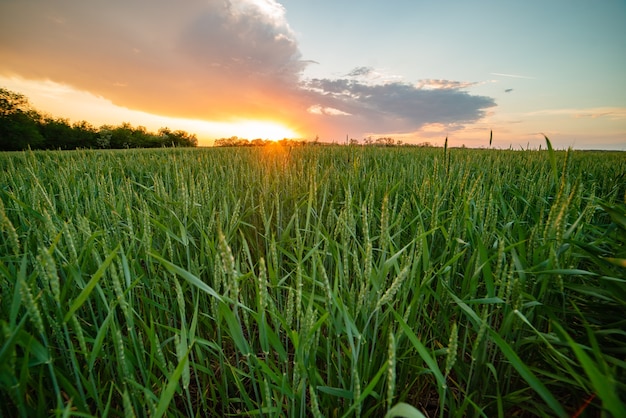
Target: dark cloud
(249, 44)
(360, 72)
(401, 107)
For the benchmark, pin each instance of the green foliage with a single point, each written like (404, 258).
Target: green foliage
(18, 127)
(325, 281)
(235, 141)
(21, 128)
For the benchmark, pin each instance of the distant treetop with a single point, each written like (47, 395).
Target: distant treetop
(22, 127)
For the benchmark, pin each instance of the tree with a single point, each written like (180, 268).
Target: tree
(57, 132)
(18, 123)
(103, 140)
(183, 139)
(12, 103)
(85, 134)
(233, 141)
(22, 127)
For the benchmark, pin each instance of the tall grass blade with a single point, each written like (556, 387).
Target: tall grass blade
(172, 385)
(552, 156)
(174, 269)
(84, 294)
(603, 385)
(527, 374)
(422, 351)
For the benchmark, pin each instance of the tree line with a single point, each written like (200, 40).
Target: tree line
(22, 127)
(235, 141)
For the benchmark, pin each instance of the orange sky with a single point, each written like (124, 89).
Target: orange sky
(63, 100)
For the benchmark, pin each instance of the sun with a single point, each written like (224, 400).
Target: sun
(252, 129)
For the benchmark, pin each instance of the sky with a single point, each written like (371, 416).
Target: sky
(418, 71)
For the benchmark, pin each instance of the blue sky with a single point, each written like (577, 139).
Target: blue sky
(548, 65)
(414, 70)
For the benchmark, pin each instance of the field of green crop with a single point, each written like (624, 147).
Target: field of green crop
(313, 281)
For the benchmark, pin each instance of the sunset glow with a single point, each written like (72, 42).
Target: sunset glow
(274, 131)
(61, 100)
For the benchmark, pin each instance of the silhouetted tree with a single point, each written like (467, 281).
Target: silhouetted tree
(22, 127)
(85, 135)
(57, 132)
(183, 139)
(18, 126)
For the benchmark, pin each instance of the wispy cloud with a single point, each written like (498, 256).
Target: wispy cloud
(513, 76)
(371, 76)
(610, 113)
(360, 72)
(440, 84)
(330, 111)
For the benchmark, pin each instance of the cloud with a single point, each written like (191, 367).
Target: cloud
(240, 39)
(439, 84)
(371, 75)
(360, 72)
(399, 106)
(617, 114)
(201, 59)
(330, 111)
(607, 113)
(513, 76)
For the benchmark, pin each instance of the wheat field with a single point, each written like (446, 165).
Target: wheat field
(313, 281)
